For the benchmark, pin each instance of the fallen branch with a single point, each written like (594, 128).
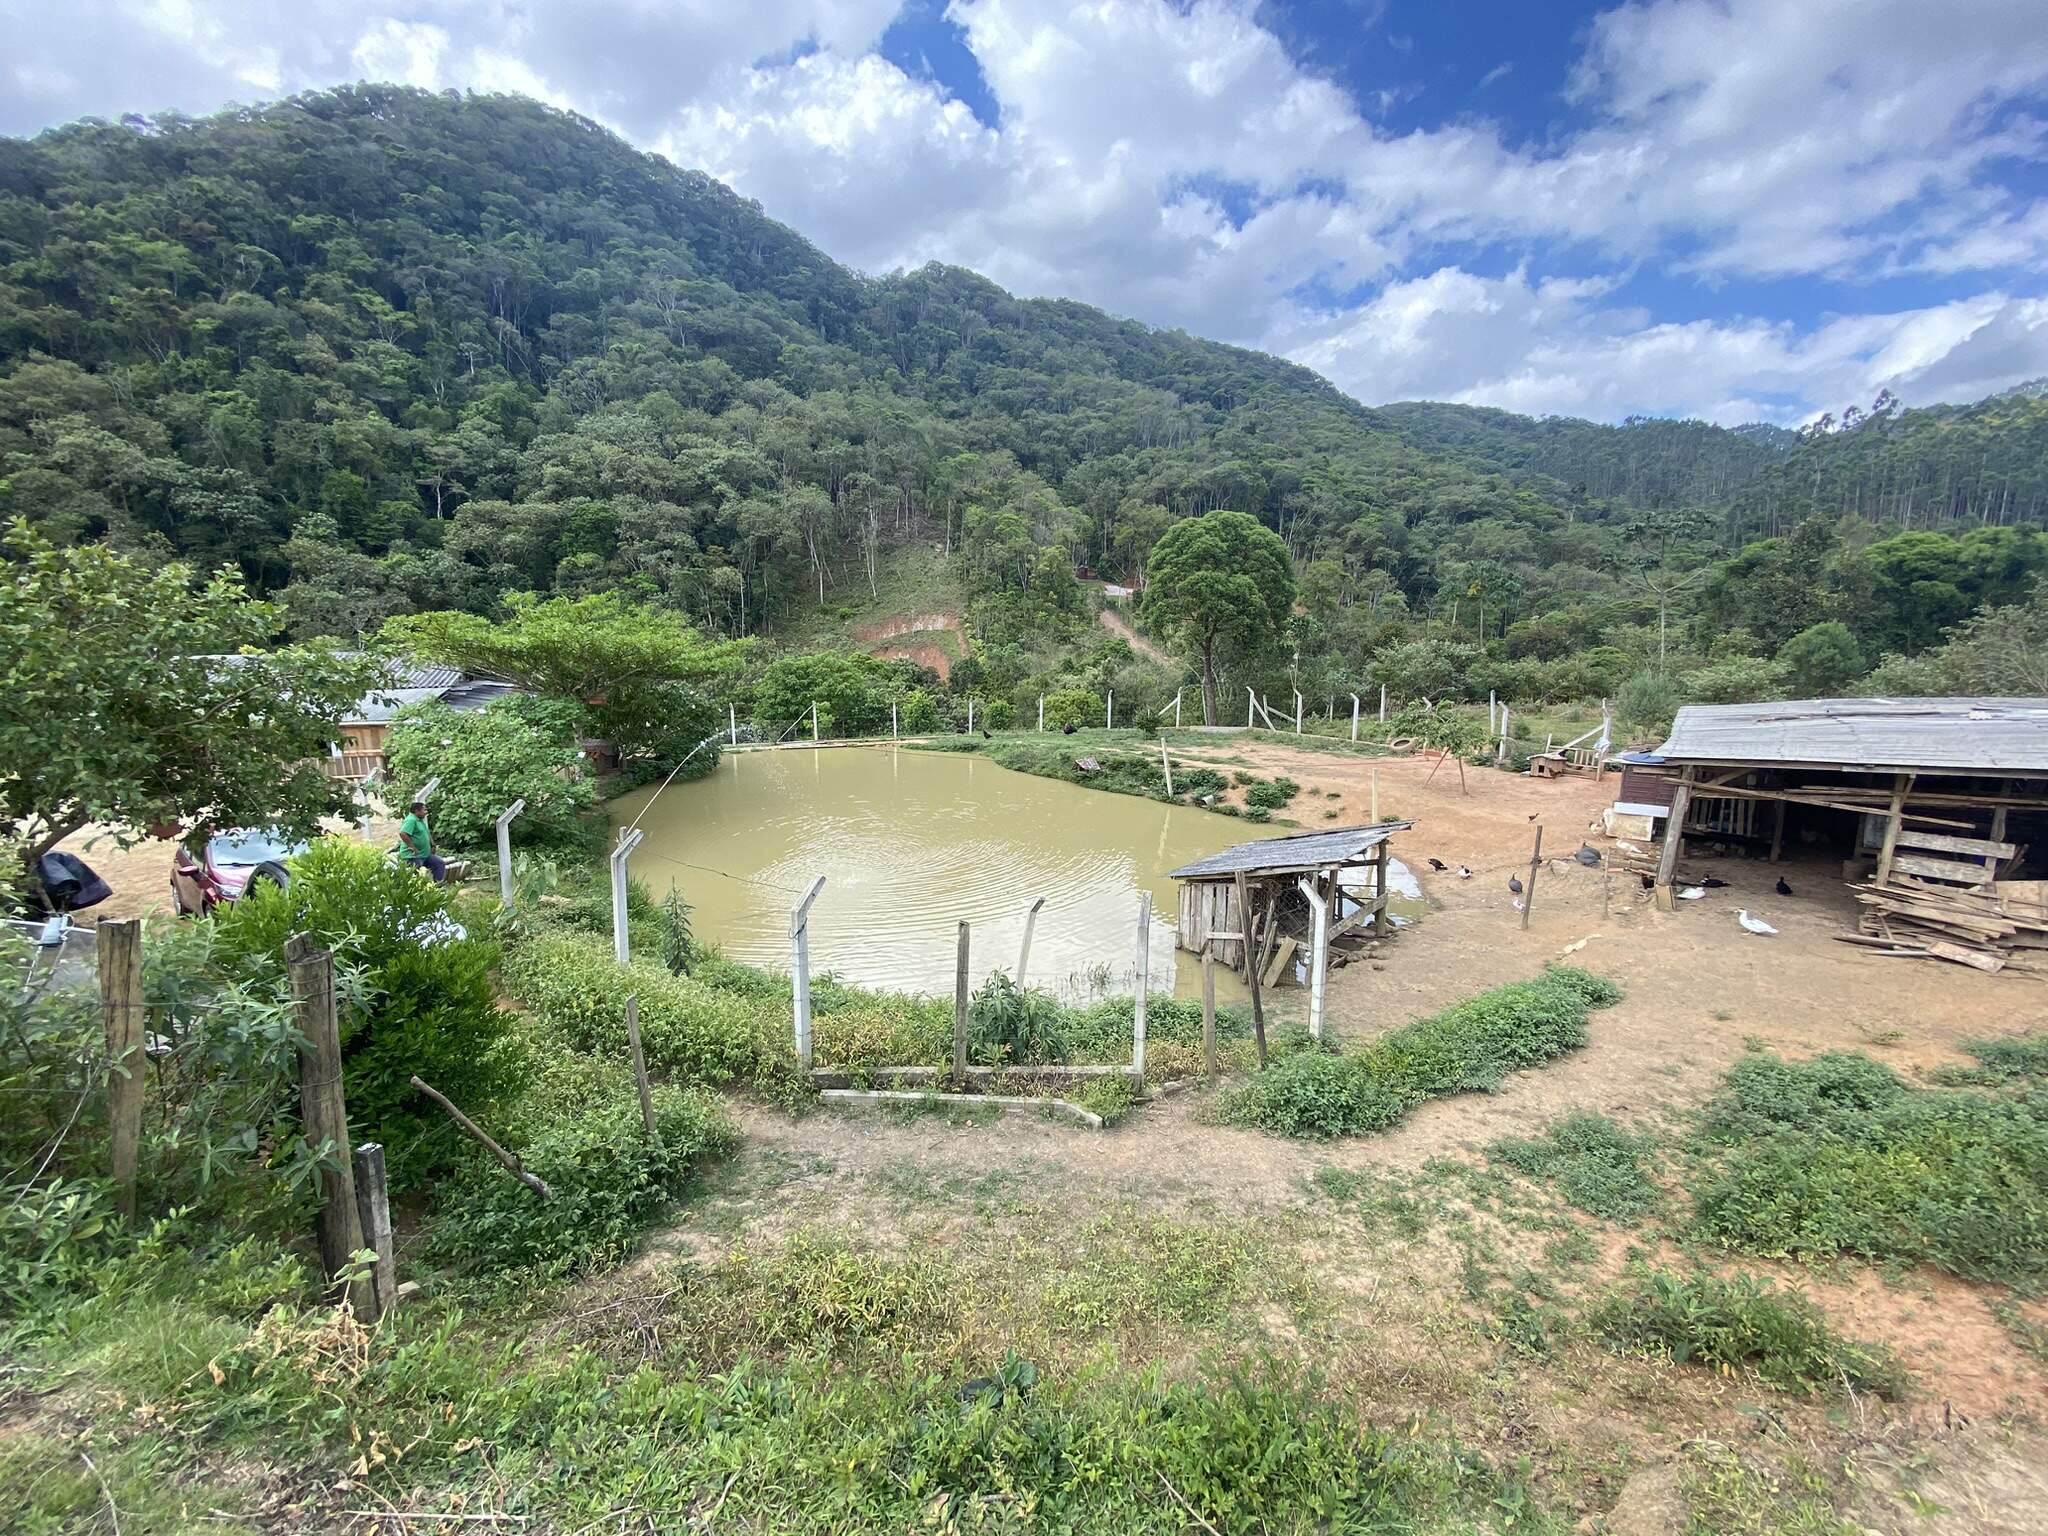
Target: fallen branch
(1184, 1504)
(511, 1163)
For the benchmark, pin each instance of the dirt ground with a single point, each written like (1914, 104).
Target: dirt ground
(928, 639)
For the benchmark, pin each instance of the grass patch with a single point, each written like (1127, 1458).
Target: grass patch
(2016, 1058)
(1470, 1047)
(1742, 1325)
(1839, 1155)
(1596, 1165)
(1728, 1495)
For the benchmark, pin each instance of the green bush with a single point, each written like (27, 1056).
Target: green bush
(1739, 1324)
(1597, 1165)
(1838, 1155)
(1073, 706)
(1268, 797)
(425, 1003)
(690, 1028)
(486, 759)
(1471, 1046)
(608, 1180)
(1014, 1025)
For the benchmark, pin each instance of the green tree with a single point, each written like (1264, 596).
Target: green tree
(486, 759)
(1222, 580)
(1821, 660)
(133, 694)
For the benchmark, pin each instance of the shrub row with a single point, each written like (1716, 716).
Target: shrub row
(1469, 1047)
(1838, 1155)
(691, 1031)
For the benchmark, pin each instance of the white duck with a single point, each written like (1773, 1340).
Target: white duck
(1692, 893)
(1753, 924)
(1628, 847)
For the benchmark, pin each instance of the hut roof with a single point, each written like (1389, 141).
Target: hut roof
(1289, 855)
(1951, 735)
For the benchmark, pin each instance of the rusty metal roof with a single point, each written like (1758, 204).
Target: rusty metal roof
(1285, 855)
(1949, 735)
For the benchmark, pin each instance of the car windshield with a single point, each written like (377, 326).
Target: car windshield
(250, 845)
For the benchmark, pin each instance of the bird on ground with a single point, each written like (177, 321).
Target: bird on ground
(1515, 884)
(1753, 924)
(1783, 888)
(1534, 815)
(986, 737)
(1464, 872)
(1067, 731)
(1588, 855)
(1518, 906)
(1628, 848)
(1692, 893)
(1711, 884)
(1438, 865)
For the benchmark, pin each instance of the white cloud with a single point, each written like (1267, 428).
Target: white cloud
(1170, 159)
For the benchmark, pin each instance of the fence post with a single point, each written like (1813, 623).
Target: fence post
(324, 1112)
(1319, 952)
(622, 938)
(1166, 766)
(119, 945)
(1383, 703)
(814, 722)
(1024, 954)
(1297, 711)
(970, 714)
(892, 720)
(732, 724)
(505, 849)
(1176, 707)
(800, 976)
(1109, 710)
(1041, 711)
(1354, 717)
(1501, 753)
(1492, 708)
(960, 1014)
(1535, 863)
(1144, 983)
(1208, 1011)
(373, 1215)
(640, 1067)
(1251, 703)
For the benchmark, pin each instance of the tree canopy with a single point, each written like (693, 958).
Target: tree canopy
(1219, 580)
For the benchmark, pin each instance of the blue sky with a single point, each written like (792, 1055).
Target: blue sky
(1738, 209)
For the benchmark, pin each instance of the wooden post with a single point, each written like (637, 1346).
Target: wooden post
(1144, 983)
(1901, 786)
(1998, 825)
(1354, 717)
(1208, 1011)
(119, 944)
(622, 938)
(505, 849)
(1165, 765)
(1319, 951)
(1382, 868)
(960, 1014)
(1024, 951)
(1251, 964)
(324, 1113)
(1674, 839)
(1778, 831)
(800, 969)
(640, 1067)
(1535, 863)
(373, 1215)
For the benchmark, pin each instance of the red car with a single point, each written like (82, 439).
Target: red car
(204, 874)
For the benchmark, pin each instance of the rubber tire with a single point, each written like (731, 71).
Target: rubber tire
(271, 871)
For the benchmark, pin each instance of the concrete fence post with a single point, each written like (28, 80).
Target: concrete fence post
(504, 825)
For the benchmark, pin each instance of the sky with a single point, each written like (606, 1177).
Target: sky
(1734, 209)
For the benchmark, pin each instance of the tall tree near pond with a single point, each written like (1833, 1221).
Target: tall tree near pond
(1219, 580)
(134, 695)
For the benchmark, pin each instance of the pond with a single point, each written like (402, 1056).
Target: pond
(912, 842)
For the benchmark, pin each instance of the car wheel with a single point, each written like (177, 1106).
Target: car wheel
(271, 871)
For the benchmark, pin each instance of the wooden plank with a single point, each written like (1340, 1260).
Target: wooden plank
(373, 1214)
(1674, 838)
(1941, 869)
(1975, 847)
(1970, 957)
(323, 1113)
(1244, 907)
(1209, 979)
(1283, 952)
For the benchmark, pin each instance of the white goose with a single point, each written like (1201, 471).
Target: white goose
(1753, 924)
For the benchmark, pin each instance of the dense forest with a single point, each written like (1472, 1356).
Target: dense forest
(390, 351)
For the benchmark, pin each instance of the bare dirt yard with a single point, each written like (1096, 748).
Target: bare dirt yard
(1422, 1281)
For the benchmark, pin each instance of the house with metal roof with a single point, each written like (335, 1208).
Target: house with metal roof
(1933, 807)
(366, 728)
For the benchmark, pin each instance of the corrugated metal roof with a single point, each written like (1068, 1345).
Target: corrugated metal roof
(1304, 850)
(1959, 735)
(377, 707)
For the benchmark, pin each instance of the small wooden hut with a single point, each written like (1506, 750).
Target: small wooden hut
(1266, 879)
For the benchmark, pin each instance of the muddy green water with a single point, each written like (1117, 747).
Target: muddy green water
(910, 843)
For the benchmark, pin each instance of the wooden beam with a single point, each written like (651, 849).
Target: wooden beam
(1937, 869)
(1674, 838)
(1900, 785)
(1975, 847)
(1778, 831)
(1244, 907)
(119, 942)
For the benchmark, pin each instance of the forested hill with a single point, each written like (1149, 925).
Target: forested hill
(393, 351)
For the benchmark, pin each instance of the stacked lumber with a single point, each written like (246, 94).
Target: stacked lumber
(1982, 926)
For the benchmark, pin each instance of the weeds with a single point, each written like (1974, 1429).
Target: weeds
(1470, 1047)
(1740, 1324)
(1596, 1165)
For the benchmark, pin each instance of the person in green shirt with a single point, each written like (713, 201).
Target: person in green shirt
(416, 843)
